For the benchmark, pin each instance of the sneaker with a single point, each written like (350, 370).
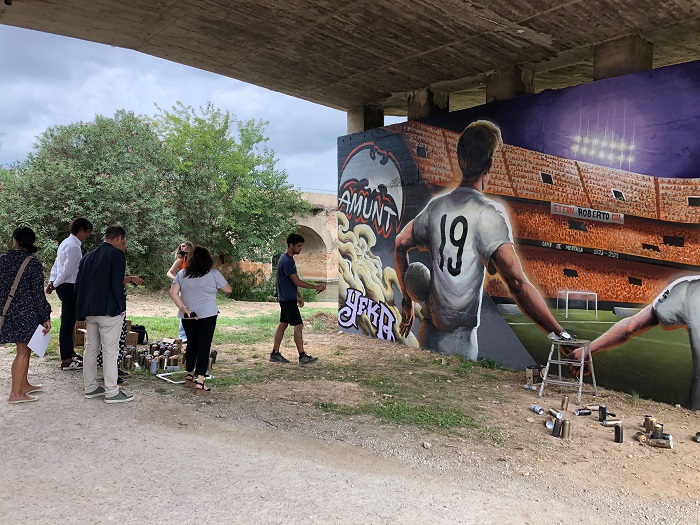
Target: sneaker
(71, 364)
(98, 392)
(276, 357)
(121, 373)
(306, 359)
(78, 357)
(121, 397)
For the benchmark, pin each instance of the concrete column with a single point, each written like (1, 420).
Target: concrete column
(365, 117)
(425, 102)
(509, 82)
(621, 56)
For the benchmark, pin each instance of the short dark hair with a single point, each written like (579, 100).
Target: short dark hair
(80, 224)
(476, 147)
(26, 238)
(294, 238)
(114, 231)
(199, 262)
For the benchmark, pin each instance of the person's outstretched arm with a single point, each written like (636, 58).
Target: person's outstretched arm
(525, 294)
(404, 242)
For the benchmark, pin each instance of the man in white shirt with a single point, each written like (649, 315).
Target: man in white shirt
(62, 279)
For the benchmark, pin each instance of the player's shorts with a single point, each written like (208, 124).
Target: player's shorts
(289, 313)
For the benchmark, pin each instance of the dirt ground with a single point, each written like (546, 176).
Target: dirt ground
(263, 453)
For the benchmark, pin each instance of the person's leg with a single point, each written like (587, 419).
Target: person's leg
(299, 337)
(92, 348)
(205, 334)
(20, 367)
(110, 329)
(66, 293)
(279, 334)
(181, 333)
(191, 329)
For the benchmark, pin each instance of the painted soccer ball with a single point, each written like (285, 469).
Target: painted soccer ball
(417, 281)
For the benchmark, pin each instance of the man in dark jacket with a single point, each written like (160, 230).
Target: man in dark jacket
(102, 302)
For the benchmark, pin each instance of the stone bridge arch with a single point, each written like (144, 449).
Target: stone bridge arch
(319, 259)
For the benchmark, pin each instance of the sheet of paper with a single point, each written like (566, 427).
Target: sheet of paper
(39, 342)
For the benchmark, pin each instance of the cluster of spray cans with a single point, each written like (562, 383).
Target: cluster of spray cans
(160, 357)
(606, 418)
(555, 421)
(653, 434)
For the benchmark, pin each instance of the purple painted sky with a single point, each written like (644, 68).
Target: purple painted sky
(646, 122)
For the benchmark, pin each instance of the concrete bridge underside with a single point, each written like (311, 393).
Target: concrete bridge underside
(386, 57)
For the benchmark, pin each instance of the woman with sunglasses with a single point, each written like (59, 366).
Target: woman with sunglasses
(194, 293)
(183, 250)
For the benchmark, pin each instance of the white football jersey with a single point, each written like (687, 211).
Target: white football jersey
(462, 230)
(679, 303)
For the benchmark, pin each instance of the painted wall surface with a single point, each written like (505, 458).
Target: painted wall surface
(597, 188)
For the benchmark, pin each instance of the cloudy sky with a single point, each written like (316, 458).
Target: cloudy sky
(50, 80)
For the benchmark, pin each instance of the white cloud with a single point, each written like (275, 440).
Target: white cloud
(51, 80)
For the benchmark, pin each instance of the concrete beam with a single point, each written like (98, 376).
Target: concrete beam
(509, 82)
(425, 102)
(622, 56)
(365, 117)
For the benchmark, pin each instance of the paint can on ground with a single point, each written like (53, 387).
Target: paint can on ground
(537, 409)
(549, 423)
(641, 437)
(618, 433)
(661, 443)
(697, 437)
(555, 413)
(582, 412)
(611, 422)
(565, 429)
(556, 430)
(602, 413)
(565, 402)
(658, 431)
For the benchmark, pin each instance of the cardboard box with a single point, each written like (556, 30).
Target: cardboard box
(79, 332)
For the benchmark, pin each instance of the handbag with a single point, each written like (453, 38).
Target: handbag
(141, 330)
(13, 289)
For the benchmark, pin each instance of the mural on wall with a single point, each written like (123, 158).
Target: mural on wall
(594, 198)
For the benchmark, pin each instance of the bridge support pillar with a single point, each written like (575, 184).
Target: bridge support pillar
(621, 56)
(365, 117)
(425, 102)
(509, 82)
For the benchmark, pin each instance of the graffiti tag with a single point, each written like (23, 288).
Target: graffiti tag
(365, 205)
(380, 316)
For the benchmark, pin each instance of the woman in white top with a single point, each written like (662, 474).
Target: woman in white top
(194, 292)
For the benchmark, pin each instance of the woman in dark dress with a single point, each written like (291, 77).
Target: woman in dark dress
(28, 309)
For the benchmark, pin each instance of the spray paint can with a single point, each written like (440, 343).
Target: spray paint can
(555, 413)
(549, 423)
(658, 431)
(641, 437)
(618, 433)
(661, 443)
(153, 366)
(211, 363)
(530, 387)
(556, 430)
(611, 422)
(582, 412)
(565, 429)
(602, 413)
(565, 402)
(129, 362)
(697, 437)
(537, 409)
(593, 407)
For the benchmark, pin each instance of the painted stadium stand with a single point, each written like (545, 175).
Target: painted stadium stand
(679, 200)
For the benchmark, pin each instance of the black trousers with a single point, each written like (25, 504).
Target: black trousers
(66, 293)
(200, 333)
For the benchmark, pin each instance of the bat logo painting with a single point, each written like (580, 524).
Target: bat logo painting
(370, 189)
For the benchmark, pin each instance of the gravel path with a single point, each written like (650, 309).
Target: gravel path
(168, 457)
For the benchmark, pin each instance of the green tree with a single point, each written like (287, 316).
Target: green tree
(110, 170)
(229, 194)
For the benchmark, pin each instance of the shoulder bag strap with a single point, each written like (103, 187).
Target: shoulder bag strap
(13, 289)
